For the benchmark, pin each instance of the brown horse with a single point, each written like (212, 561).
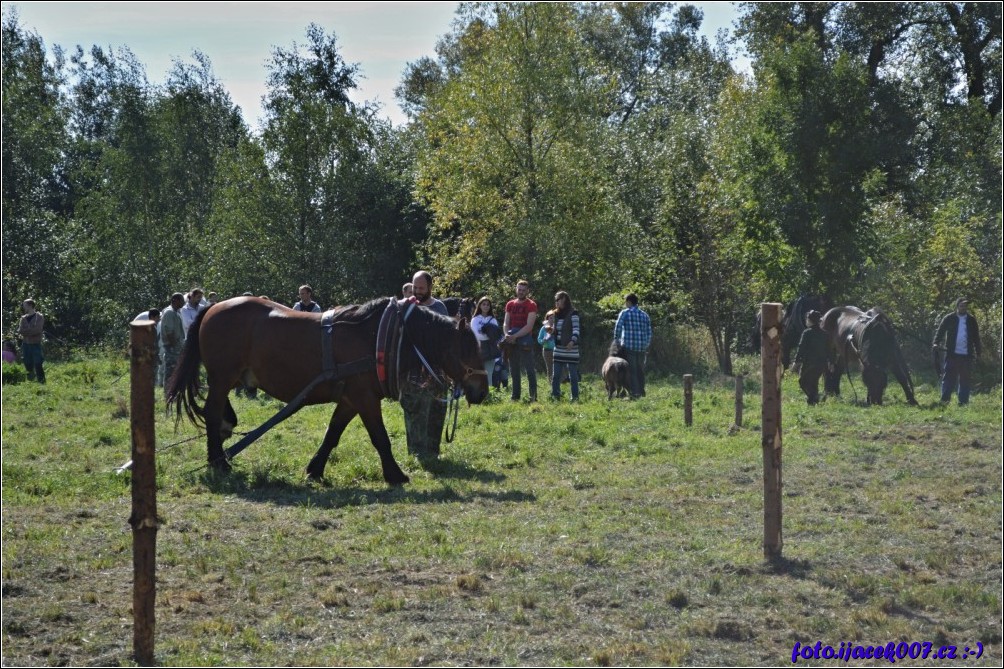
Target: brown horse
(265, 345)
(867, 336)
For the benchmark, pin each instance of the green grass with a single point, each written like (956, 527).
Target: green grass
(598, 533)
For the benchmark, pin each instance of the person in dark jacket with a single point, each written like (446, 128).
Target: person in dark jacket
(961, 336)
(810, 361)
(31, 328)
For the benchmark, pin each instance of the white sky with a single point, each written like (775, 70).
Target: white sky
(238, 37)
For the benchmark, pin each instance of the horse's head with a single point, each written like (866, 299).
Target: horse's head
(467, 308)
(450, 346)
(467, 368)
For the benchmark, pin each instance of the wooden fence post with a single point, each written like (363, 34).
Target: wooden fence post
(143, 356)
(739, 401)
(688, 399)
(770, 361)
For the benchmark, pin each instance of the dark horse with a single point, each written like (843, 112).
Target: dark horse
(792, 323)
(460, 306)
(266, 345)
(867, 336)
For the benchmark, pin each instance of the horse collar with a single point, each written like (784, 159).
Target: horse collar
(388, 345)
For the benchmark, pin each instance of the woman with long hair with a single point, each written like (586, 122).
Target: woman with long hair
(486, 328)
(566, 345)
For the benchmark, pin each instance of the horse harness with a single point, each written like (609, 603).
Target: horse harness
(386, 360)
(865, 321)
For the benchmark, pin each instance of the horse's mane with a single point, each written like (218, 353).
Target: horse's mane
(433, 318)
(432, 332)
(353, 314)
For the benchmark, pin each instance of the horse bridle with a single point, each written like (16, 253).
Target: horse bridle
(470, 371)
(453, 403)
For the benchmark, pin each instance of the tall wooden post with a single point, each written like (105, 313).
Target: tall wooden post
(143, 355)
(688, 399)
(770, 361)
(739, 401)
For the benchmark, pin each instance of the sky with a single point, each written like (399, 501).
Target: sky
(238, 37)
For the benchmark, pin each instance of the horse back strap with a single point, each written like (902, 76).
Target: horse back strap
(327, 332)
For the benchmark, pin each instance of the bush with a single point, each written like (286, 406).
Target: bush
(13, 373)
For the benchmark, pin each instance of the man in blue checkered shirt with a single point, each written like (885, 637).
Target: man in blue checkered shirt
(633, 332)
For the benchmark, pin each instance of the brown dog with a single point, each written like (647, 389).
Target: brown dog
(615, 372)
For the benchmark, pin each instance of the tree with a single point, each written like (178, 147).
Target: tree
(143, 174)
(508, 164)
(316, 140)
(34, 138)
(657, 129)
(910, 146)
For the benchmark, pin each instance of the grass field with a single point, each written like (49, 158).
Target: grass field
(598, 533)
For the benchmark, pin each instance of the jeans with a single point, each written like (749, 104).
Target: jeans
(636, 372)
(32, 356)
(573, 377)
(518, 359)
(956, 375)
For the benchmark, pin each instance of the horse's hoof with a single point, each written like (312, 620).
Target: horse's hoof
(398, 479)
(315, 476)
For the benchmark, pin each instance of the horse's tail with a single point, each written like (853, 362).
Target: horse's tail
(183, 388)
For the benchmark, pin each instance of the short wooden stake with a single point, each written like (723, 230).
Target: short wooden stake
(771, 369)
(739, 401)
(688, 399)
(143, 367)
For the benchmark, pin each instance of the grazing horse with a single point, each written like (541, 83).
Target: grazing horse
(265, 345)
(792, 323)
(867, 336)
(616, 372)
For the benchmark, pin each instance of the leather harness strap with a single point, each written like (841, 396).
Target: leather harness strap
(327, 328)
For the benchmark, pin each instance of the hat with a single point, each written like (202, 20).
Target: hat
(813, 316)
(961, 301)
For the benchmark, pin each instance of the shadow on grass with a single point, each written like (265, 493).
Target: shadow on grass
(783, 566)
(261, 486)
(448, 469)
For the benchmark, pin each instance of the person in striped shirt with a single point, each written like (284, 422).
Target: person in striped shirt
(633, 331)
(566, 345)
